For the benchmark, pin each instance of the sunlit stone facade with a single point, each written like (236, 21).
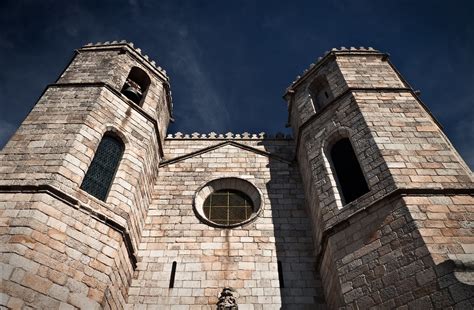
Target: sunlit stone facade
(405, 240)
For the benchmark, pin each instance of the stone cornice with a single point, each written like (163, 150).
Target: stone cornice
(397, 193)
(76, 204)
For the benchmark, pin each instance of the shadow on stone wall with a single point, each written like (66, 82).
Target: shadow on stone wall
(381, 260)
(300, 283)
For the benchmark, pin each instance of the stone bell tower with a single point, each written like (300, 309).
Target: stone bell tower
(68, 241)
(390, 198)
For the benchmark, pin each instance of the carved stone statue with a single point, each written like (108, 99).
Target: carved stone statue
(227, 300)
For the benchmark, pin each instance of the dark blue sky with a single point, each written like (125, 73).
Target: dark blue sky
(230, 61)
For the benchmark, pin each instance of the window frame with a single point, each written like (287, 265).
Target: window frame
(95, 164)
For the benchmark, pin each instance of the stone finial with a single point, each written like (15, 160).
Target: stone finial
(237, 136)
(186, 136)
(227, 301)
(203, 136)
(178, 135)
(221, 136)
(114, 42)
(229, 135)
(195, 135)
(262, 135)
(254, 136)
(246, 135)
(212, 135)
(169, 136)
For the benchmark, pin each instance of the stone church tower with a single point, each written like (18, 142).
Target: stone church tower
(369, 205)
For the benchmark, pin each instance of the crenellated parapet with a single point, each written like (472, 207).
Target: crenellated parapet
(340, 51)
(109, 44)
(229, 136)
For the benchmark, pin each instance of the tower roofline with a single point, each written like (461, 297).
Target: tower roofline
(136, 53)
(352, 51)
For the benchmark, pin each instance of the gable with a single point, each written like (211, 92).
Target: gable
(221, 145)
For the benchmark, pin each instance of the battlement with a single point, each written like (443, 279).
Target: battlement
(334, 51)
(229, 136)
(131, 47)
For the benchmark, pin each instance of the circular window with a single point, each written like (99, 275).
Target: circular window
(228, 207)
(227, 202)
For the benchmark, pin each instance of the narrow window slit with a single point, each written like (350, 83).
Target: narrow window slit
(173, 273)
(280, 275)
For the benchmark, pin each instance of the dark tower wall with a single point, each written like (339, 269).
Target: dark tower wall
(398, 243)
(64, 246)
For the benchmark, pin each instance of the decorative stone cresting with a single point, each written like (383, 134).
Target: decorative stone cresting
(335, 50)
(230, 136)
(227, 301)
(130, 45)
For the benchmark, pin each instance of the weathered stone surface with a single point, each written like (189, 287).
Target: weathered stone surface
(406, 243)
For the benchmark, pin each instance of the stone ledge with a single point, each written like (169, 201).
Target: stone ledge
(76, 204)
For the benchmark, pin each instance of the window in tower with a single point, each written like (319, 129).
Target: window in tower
(350, 179)
(101, 172)
(320, 92)
(136, 85)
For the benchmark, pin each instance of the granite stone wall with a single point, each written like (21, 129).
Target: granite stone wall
(244, 258)
(42, 168)
(397, 244)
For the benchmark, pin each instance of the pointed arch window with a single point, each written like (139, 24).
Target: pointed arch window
(101, 172)
(351, 180)
(136, 85)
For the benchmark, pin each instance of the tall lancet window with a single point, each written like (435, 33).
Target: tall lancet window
(102, 170)
(349, 174)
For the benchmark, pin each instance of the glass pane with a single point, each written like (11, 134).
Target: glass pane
(101, 172)
(219, 199)
(227, 207)
(236, 200)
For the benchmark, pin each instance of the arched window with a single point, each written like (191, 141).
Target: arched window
(320, 92)
(136, 85)
(101, 172)
(349, 174)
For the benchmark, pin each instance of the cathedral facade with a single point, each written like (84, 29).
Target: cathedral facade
(368, 205)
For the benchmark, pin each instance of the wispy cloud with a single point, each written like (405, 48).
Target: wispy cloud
(203, 106)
